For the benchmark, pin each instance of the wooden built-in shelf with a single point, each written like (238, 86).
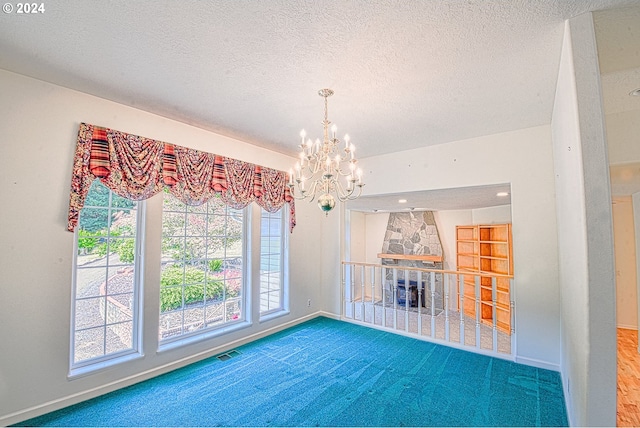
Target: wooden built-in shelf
(486, 249)
(416, 257)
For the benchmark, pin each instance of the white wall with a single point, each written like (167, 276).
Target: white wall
(584, 232)
(622, 137)
(625, 256)
(635, 200)
(39, 124)
(492, 215)
(376, 227)
(447, 222)
(524, 159)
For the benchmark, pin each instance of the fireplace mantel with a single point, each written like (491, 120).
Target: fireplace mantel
(417, 257)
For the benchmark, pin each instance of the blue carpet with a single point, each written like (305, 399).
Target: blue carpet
(332, 373)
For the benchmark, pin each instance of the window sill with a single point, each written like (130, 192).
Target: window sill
(273, 315)
(90, 369)
(178, 343)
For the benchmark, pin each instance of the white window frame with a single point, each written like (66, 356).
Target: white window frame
(91, 365)
(283, 309)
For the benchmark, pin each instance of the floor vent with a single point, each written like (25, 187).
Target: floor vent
(228, 355)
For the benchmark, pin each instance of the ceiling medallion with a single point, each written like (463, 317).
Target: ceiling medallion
(324, 169)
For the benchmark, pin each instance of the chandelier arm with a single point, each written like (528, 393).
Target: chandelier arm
(343, 195)
(323, 165)
(352, 197)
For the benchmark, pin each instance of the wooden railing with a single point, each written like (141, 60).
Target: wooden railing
(469, 310)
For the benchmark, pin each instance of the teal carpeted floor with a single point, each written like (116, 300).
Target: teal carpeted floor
(331, 373)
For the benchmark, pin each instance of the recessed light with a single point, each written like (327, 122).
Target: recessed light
(402, 201)
(635, 93)
(502, 194)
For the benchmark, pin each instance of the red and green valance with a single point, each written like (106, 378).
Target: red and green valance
(137, 168)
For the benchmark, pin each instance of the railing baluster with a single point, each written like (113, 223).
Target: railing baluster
(352, 290)
(407, 304)
(419, 286)
(446, 307)
(512, 307)
(433, 308)
(494, 313)
(373, 295)
(478, 309)
(383, 284)
(395, 298)
(343, 297)
(461, 306)
(362, 293)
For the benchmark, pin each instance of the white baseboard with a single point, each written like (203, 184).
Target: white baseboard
(69, 400)
(538, 363)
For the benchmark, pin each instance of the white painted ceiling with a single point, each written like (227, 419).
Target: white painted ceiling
(618, 40)
(460, 198)
(406, 74)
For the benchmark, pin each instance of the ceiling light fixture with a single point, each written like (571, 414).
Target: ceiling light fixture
(635, 93)
(402, 201)
(322, 165)
(502, 194)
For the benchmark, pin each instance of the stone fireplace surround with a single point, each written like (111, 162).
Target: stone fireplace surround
(413, 233)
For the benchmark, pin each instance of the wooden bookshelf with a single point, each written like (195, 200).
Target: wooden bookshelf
(486, 249)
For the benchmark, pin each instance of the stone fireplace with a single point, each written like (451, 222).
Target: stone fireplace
(413, 233)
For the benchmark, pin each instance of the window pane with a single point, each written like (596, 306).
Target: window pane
(89, 313)
(105, 286)
(202, 250)
(88, 344)
(271, 250)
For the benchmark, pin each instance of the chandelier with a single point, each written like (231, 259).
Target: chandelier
(326, 167)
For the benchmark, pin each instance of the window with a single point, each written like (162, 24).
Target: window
(201, 282)
(106, 285)
(272, 243)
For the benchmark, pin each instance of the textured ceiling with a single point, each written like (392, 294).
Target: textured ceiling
(406, 74)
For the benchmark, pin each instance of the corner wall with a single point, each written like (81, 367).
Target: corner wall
(585, 242)
(524, 159)
(39, 123)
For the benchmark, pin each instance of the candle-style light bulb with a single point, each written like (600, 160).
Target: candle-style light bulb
(359, 173)
(352, 149)
(302, 135)
(290, 176)
(346, 141)
(334, 128)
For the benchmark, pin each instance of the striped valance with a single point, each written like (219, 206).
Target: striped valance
(137, 168)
